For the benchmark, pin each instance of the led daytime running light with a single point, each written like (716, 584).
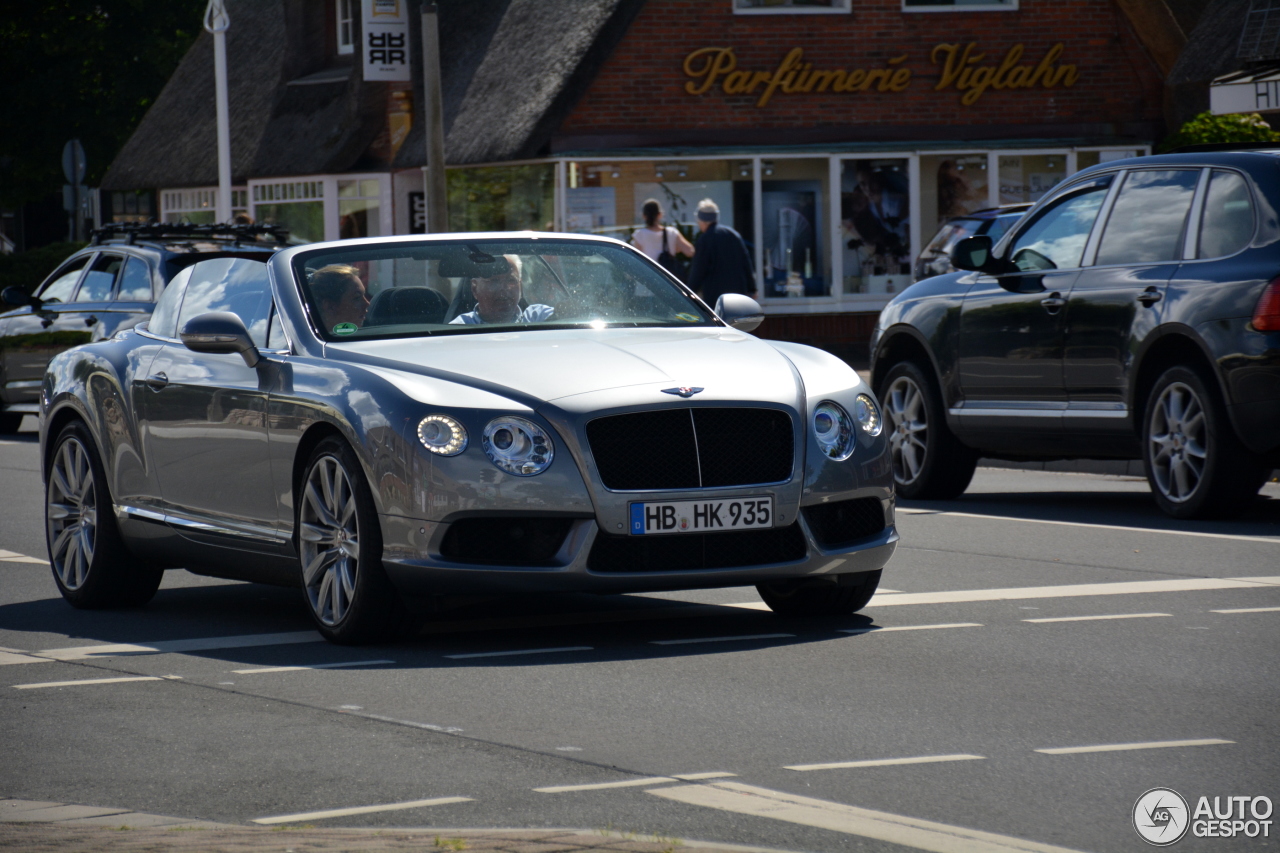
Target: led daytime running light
(868, 415)
(442, 435)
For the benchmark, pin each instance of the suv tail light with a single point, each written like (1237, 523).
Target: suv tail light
(1266, 317)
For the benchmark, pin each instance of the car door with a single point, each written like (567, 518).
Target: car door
(35, 334)
(1117, 300)
(1011, 331)
(206, 432)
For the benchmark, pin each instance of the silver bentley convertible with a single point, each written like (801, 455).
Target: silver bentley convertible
(388, 421)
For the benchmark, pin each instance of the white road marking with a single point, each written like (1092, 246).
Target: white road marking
(1073, 590)
(1123, 747)
(876, 629)
(176, 646)
(8, 658)
(1248, 610)
(886, 762)
(428, 726)
(97, 681)
(851, 820)
(521, 652)
(748, 605)
(15, 557)
(600, 786)
(1097, 618)
(340, 665)
(694, 777)
(1237, 537)
(719, 639)
(389, 807)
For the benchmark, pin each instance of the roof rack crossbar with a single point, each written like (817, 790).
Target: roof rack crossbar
(133, 231)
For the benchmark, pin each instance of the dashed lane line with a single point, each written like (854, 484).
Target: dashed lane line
(694, 777)
(357, 810)
(1124, 747)
(719, 639)
(1249, 610)
(339, 665)
(1097, 618)
(879, 629)
(885, 762)
(521, 652)
(1233, 536)
(200, 644)
(15, 557)
(601, 786)
(850, 820)
(1082, 590)
(81, 681)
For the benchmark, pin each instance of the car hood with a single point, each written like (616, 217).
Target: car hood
(557, 364)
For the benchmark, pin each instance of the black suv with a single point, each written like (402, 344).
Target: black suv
(109, 286)
(1133, 313)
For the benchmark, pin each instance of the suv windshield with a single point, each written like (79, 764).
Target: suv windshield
(379, 290)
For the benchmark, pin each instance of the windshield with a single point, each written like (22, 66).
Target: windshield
(380, 290)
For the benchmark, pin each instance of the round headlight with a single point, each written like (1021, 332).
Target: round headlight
(867, 415)
(833, 428)
(442, 435)
(518, 446)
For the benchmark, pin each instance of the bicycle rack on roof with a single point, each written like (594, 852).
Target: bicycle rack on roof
(134, 231)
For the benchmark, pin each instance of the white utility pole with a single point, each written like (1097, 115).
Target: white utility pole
(216, 22)
(433, 118)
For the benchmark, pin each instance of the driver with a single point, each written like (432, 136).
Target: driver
(340, 297)
(498, 299)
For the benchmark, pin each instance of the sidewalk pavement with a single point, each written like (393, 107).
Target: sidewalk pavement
(46, 827)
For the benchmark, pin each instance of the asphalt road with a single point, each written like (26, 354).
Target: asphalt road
(241, 715)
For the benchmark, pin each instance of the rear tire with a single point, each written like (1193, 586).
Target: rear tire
(929, 462)
(1196, 465)
(840, 595)
(90, 563)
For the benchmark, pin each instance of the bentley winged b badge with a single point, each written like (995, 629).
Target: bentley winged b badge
(683, 391)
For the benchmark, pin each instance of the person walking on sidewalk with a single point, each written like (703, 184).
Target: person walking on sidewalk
(722, 264)
(661, 242)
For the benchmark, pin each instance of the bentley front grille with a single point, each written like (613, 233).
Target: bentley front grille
(692, 448)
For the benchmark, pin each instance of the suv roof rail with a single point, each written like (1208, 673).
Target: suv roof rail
(134, 231)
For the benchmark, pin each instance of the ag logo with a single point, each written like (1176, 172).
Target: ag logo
(1161, 817)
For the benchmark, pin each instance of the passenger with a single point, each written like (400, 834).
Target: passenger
(498, 299)
(340, 298)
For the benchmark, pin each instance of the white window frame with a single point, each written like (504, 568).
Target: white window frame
(198, 199)
(324, 189)
(345, 13)
(841, 7)
(986, 6)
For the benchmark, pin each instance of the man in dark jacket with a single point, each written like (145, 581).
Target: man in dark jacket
(722, 263)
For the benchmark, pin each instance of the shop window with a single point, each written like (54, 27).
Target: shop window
(131, 207)
(199, 205)
(359, 205)
(951, 185)
(793, 214)
(1027, 177)
(346, 27)
(502, 198)
(295, 205)
(875, 225)
(792, 7)
(1085, 159)
(959, 5)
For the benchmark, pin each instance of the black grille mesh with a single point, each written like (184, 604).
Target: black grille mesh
(842, 523)
(678, 552)
(505, 540)
(658, 449)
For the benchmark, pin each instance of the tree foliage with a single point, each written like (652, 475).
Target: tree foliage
(81, 69)
(1207, 128)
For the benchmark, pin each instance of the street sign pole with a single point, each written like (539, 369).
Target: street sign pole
(216, 22)
(433, 115)
(74, 166)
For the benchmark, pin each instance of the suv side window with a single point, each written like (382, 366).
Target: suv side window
(1227, 224)
(1057, 237)
(164, 320)
(230, 284)
(135, 284)
(62, 284)
(100, 280)
(1146, 223)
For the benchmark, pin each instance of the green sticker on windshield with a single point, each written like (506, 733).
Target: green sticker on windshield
(345, 329)
(688, 318)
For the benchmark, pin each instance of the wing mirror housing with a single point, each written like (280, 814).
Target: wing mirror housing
(974, 253)
(220, 333)
(739, 311)
(17, 297)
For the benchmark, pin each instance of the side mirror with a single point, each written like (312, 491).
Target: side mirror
(974, 253)
(17, 297)
(739, 311)
(220, 332)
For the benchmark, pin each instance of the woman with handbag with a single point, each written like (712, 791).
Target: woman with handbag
(662, 243)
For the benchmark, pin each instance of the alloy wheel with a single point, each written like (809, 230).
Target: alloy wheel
(908, 428)
(1178, 442)
(72, 512)
(329, 535)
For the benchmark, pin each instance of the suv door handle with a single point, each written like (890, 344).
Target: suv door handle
(1053, 302)
(1150, 296)
(157, 382)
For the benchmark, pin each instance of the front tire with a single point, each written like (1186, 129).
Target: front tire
(1196, 465)
(929, 462)
(340, 548)
(90, 563)
(830, 596)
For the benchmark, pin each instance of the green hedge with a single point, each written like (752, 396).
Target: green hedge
(28, 269)
(1207, 127)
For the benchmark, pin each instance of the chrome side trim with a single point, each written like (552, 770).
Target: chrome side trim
(1002, 412)
(244, 532)
(136, 513)
(1070, 410)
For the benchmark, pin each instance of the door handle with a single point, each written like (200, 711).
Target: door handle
(1150, 296)
(157, 382)
(1053, 302)
(90, 320)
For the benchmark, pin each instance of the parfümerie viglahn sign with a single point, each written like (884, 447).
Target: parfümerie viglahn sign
(385, 39)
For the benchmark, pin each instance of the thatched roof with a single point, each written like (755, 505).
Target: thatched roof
(511, 70)
(1210, 52)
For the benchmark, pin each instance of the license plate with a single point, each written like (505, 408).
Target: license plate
(701, 516)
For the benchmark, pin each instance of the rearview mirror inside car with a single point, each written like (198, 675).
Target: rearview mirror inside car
(974, 253)
(219, 332)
